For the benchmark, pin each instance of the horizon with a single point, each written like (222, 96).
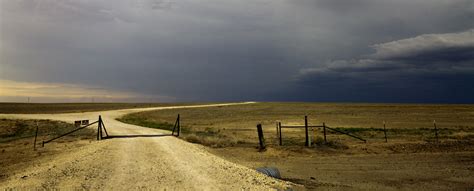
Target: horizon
(205, 102)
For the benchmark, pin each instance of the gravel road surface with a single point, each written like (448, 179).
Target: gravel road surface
(136, 161)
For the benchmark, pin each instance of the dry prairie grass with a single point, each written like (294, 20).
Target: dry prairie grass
(235, 125)
(411, 160)
(17, 139)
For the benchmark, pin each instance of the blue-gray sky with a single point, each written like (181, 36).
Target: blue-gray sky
(232, 50)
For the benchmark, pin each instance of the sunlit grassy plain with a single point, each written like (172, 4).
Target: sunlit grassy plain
(230, 132)
(236, 125)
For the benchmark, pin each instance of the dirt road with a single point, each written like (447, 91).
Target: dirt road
(134, 162)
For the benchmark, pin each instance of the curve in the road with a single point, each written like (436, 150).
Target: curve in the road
(142, 162)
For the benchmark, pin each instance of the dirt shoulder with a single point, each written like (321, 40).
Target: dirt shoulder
(414, 166)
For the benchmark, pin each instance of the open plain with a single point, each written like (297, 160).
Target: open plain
(411, 159)
(134, 157)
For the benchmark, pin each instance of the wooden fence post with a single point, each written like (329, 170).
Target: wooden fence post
(279, 126)
(324, 130)
(385, 131)
(261, 140)
(436, 130)
(306, 143)
(36, 136)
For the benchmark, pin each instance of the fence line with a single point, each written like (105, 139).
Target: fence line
(306, 127)
(348, 134)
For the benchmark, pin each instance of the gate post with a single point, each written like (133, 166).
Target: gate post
(306, 143)
(261, 140)
(99, 129)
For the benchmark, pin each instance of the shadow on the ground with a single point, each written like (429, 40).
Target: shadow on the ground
(134, 136)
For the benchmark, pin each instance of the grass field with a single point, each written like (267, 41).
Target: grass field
(411, 160)
(236, 125)
(17, 140)
(34, 108)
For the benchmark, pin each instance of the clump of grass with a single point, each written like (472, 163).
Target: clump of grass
(211, 141)
(319, 141)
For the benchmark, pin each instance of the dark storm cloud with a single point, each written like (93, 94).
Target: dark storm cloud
(228, 50)
(427, 68)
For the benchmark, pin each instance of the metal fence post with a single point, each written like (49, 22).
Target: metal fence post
(99, 129)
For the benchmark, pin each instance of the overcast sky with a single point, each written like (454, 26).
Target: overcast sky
(235, 50)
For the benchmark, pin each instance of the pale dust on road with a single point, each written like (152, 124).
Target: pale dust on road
(162, 162)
